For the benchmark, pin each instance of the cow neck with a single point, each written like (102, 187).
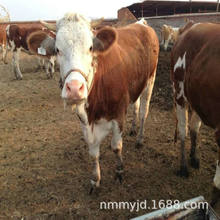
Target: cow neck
(94, 65)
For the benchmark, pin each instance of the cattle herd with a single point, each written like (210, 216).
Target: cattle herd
(14, 38)
(104, 70)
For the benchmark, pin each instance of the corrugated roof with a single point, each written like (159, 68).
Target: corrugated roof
(163, 7)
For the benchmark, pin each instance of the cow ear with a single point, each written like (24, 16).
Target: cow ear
(41, 43)
(104, 39)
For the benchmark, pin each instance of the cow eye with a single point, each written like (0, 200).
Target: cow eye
(57, 50)
(91, 48)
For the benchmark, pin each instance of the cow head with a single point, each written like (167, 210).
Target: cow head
(76, 46)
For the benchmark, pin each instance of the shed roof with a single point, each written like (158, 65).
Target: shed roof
(161, 7)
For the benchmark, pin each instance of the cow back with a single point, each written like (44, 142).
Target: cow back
(18, 33)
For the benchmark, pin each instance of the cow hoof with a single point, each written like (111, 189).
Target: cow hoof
(18, 77)
(213, 202)
(91, 190)
(118, 176)
(49, 75)
(95, 186)
(138, 145)
(195, 163)
(183, 172)
(133, 133)
(94, 190)
(215, 196)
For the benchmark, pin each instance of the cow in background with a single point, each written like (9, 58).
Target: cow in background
(196, 82)
(168, 35)
(3, 42)
(16, 37)
(142, 21)
(102, 72)
(48, 65)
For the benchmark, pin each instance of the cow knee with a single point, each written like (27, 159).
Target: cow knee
(94, 151)
(116, 145)
(116, 142)
(182, 116)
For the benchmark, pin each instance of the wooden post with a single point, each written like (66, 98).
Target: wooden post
(142, 11)
(190, 10)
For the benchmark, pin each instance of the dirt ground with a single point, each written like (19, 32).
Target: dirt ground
(45, 166)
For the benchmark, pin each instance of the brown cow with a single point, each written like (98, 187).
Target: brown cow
(196, 81)
(3, 42)
(16, 37)
(102, 72)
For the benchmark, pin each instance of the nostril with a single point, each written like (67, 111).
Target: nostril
(68, 87)
(75, 89)
(81, 87)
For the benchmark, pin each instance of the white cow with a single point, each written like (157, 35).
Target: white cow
(168, 35)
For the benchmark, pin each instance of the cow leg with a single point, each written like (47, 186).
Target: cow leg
(94, 136)
(136, 107)
(166, 43)
(216, 187)
(15, 62)
(144, 108)
(4, 54)
(162, 41)
(2, 50)
(182, 121)
(116, 145)
(40, 63)
(94, 151)
(195, 124)
(49, 66)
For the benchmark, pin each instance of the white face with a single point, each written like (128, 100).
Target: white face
(74, 41)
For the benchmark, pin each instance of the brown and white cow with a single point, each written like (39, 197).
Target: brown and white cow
(168, 35)
(103, 72)
(16, 37)
(196, 82)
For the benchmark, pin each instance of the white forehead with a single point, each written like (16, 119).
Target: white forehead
(74, 29)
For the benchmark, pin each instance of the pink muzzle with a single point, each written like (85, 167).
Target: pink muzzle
(75, 89)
